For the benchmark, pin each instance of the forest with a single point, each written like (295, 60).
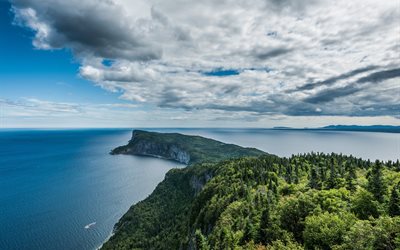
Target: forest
(308, 201)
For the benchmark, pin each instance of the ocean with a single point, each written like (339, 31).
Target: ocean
(54, 183)
(61, 189)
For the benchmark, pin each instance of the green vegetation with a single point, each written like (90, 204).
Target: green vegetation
(310, 201)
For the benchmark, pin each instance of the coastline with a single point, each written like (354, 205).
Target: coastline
(108, 237)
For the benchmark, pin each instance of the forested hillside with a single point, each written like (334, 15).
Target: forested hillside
(311, 201)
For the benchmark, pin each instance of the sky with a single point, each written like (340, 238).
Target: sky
(187, 63)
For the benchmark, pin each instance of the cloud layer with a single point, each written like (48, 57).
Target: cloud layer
(38, 113)
(267, 57)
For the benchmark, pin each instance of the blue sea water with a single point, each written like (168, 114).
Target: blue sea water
(55, 182)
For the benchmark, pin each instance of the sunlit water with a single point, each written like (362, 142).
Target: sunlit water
(53, 184)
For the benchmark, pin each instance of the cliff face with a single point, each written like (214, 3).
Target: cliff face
(162, 150)
(141, 146)
(187, 149)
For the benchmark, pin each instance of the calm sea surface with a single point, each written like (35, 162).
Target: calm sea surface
(53, 183)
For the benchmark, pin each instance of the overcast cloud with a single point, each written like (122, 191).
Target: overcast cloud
(289, 58)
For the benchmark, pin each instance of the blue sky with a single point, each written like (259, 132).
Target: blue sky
(167, 64)
(49, 75)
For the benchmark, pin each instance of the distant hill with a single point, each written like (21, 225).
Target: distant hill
(185, 149)
(371, 128)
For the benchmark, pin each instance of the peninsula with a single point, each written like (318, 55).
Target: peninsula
(231, 197)
(185, 149)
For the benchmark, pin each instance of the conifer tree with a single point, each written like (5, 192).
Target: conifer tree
(314, 179)
(351, 178)
(265, 227)
(394, 202)
(288, 175)
(376, 184)
(296, 174)
(332, 174)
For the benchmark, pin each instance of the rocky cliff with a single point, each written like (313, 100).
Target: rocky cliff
(148, 147)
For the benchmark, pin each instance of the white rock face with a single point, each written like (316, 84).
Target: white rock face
(168, 151)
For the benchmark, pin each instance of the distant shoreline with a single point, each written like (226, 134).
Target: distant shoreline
(349, 128)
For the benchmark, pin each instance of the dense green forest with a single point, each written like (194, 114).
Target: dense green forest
(310, 201)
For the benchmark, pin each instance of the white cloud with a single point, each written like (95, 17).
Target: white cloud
(160, 50)
(36, 113)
